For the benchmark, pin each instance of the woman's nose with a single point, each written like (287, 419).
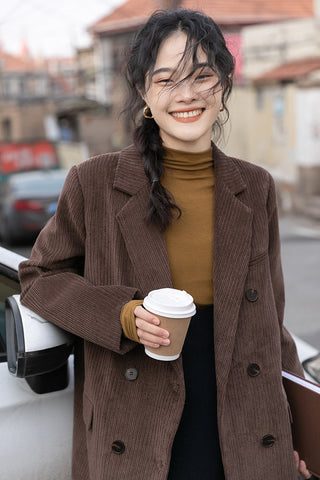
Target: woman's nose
(186, 91)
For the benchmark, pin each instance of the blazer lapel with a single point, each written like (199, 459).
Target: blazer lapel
(149, 259)
(232, 244)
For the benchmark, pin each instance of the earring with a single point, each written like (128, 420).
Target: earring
(147, 112)
(221, 108)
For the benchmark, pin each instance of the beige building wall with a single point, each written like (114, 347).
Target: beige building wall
(86, 86)
(270, 45)
(103, 69)
(308, 140)
(262, 128)
(95, 130)
(26, 119)
(279, 128)
(32, 120)
(308, 126)
(70, 154)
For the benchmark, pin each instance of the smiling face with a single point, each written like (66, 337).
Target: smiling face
(184, 103)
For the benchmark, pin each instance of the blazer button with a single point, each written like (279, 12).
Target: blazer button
(131, 374)
(252, 295)
(118, 447)
(268, 441)
(253, 370)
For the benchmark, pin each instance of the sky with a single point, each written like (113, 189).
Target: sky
(49, 28)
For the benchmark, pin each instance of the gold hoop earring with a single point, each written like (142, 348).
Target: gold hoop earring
(147, 112)
(221, 108)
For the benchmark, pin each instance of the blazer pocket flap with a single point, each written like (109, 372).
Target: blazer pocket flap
(258, 258)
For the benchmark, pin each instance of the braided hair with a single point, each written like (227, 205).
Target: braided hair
(201, 31)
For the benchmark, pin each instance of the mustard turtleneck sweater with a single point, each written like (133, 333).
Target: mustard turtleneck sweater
(189, 239)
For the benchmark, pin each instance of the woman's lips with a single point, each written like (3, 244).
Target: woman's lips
(187, 116)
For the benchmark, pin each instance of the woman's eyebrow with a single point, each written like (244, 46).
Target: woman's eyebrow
(162, 70)
(197, 66)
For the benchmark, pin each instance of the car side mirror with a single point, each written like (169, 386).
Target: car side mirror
(312, 367)
(37, 350)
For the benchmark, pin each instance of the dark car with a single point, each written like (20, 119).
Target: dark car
(27, 201)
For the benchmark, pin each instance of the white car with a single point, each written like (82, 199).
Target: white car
(36, 428)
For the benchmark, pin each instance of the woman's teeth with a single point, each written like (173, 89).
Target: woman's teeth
(192, 113)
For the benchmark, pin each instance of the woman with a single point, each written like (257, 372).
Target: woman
(142, 219)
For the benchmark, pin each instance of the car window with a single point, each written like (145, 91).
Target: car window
(8, 287)
(42, 185)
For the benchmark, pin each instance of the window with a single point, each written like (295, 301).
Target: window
(8, 286)
(6, 130)
(260, 98)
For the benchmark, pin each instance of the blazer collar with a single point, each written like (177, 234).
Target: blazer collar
(227, 171)
(145, 244)
(130, 176)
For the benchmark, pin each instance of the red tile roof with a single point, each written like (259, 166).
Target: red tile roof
(12, 63)
(133, 13)
(290, 71)
(24, 63)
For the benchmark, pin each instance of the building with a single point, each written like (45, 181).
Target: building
(86, 83)
(28, 90)
(40, 100)
(22, 78)
(281, 101)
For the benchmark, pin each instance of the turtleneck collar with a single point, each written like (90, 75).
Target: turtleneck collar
(179, 160)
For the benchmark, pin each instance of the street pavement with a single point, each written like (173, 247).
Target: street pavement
(300, 240)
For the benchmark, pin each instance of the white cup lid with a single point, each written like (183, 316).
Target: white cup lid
(170, 302)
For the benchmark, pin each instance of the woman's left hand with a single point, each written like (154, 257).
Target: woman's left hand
(301, 466)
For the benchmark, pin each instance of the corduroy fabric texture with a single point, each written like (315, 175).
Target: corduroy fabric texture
(97, 254)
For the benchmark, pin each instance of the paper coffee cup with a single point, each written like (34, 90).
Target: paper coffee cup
(174, 308)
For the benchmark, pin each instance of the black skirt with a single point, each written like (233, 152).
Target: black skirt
(196, 450)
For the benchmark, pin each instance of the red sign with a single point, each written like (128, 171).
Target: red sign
(16, 157)
(234, 43)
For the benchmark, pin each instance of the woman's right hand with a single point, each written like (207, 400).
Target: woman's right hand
(148, 330)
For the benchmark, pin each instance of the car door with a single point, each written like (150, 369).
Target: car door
(36, 429)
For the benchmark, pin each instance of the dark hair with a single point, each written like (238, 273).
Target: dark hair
(201, 31)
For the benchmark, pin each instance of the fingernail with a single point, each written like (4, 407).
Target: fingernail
(166, 341)
(155, 321)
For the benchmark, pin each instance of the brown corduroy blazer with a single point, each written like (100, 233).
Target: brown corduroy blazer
(97, 253)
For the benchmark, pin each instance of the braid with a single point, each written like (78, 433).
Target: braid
(161, 202)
